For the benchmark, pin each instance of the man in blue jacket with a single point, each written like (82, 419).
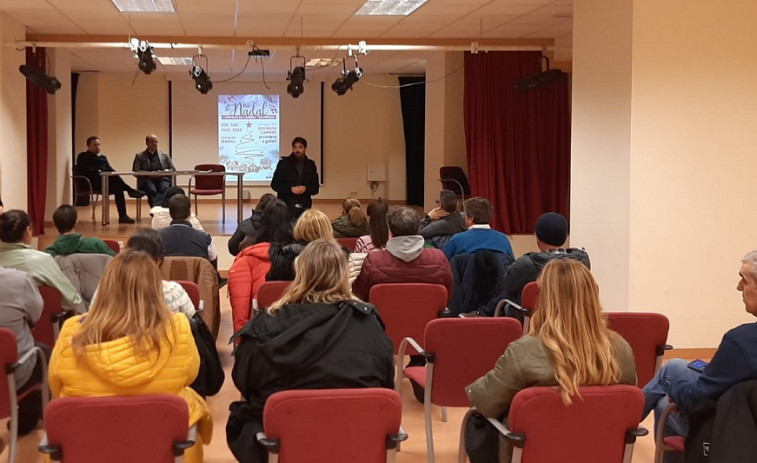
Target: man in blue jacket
(735, 361)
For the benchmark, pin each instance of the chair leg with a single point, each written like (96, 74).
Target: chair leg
(223, 203)
(444, 414)
(13, 423)
(197, 210)
(139, 208)
(429, 429)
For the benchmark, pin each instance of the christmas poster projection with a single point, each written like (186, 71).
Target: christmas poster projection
(248, 135)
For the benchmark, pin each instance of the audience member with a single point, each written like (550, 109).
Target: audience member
(404, 260)
(68, 240)
(568, 346)
(295, 179)
(251, 225)
(153, 160)
(252, 263)
(130, 344)
(353, 223)
(91, 162)
(181, 239)
(161, 214)
(312, 225)
(378, 230)
(443, 221)
(20, 308)
(478, 216)
(734, 361)
(551, 231)
(316, 336)
(16, 252)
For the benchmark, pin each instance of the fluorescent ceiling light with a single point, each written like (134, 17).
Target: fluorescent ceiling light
(144, 6)
(322, 62)
(171, 61)
(389, 7)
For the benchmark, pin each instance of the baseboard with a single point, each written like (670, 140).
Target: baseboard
(690, 353)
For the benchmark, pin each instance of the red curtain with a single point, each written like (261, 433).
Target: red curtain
(36, 144)
(518, 144)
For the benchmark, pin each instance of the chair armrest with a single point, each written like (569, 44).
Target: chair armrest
(660, 432)
(12, 367)
(401, 360)
(271, 444)
(661, 349)
(53, 450)
(518, 440)
(460, 185)
(393, 440)
(180, 446)
(632, 434)
(507, 302)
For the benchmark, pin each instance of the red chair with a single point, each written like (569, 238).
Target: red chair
(114, 245)
(208, 185)
(453, 178)
(663, 443)
(529, 298)
(406, 308)
(335, 425)
(8, 397)
(193, 291)
(48, 326)
(647, 334)
(270, 292)
(348, 243)
(599, 426)
(458, 351)
(147, 429)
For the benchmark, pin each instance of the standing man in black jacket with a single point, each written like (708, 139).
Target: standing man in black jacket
(296, 179)
(91, 162)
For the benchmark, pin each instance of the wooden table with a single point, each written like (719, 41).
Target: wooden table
(173, 175)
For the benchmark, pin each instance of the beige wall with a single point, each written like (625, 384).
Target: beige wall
(59, 134)
(12, 116)
(677, 211)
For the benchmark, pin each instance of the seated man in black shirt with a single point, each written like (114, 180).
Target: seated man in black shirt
(91, 162)
(153, 160)
(180, 239)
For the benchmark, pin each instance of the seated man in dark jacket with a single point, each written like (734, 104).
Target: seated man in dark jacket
(443, 221)
(180, 239)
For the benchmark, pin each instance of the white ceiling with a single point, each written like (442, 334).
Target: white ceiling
(226, 28)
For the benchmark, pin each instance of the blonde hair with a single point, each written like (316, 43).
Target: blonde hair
(321, 275)
(355, 214)
(570, 324)
(312, 225)
(130, 304)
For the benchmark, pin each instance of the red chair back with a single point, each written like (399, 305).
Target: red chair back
(647, 334)
(117, 429)
(47, 327)
(406, 308)
(593, 428)
(530, 296)
(465, 349)
(270, 292)
(214, 183)
(348, 243)
(337, 425)
(8, 356)
(193, 291)
(113, 244)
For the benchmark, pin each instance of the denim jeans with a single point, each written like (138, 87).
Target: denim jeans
(656, 392)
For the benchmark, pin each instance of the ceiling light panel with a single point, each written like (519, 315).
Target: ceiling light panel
(144, 6)
(389, 7)
(174, 61)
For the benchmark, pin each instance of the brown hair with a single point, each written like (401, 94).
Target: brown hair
(356, 215)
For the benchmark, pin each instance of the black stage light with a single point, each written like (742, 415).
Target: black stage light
(145, 55)
(296, 80)
(201, 78)
(48, 83)
(544, 77)
(344, 83)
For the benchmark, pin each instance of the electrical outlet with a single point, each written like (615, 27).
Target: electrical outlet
(353, 193)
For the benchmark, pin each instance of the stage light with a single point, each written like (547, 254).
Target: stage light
(38, 77)
(201, 78)
(144, 53)
(348, 79)
(296, 78)
(544, 77)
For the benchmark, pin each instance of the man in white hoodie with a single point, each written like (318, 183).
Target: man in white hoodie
(404, 260)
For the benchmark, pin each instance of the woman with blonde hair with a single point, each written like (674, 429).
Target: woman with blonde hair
(317, 335)
(568, 346)
(353, 223)
(129, 343)
(312, 225)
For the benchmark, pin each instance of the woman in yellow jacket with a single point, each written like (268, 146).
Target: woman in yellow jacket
(129, 343)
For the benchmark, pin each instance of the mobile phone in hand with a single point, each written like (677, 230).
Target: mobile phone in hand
(698, 365)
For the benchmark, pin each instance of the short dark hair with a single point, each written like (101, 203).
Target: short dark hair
(91, 139)
(479, 209)
(13, 225)
(403, 221)
(300, 140)
(448, 200)
(65, 217)
(149, 241)
(264, 201)
(179, 207)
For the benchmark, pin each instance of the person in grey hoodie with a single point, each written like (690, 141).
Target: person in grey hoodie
(404, 260)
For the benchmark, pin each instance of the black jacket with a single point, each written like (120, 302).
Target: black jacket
(304, 346)
(477, 277)
(282, 260)
(527, 268)
(286, 176)
(90, 165)
(248, 227)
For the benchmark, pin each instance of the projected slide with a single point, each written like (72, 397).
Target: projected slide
(248, 134)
